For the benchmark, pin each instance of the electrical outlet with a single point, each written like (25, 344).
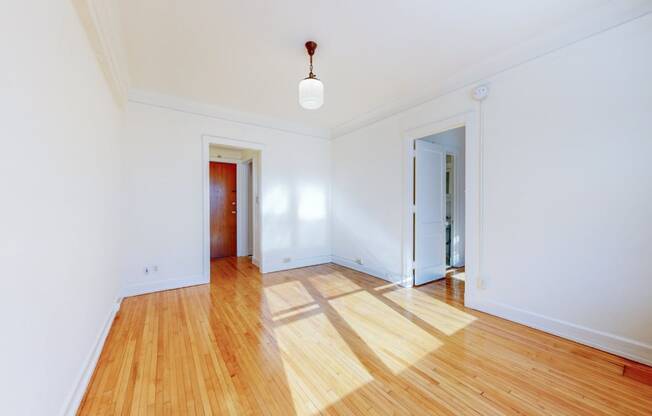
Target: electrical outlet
(287, 260)
(150, 269)
(480, 284)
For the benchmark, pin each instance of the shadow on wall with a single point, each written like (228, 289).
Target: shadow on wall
(376, 247)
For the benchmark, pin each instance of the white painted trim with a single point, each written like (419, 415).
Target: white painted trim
(604, 341)
(609, 16)
(372, 271)
(242, 208)
(190, 107)
(257, 220)
(208, 140)
(270, 267)
(160, 285)
(473, 193)
(100, 22)
(238, 212)
(74, 399)
(255, 262)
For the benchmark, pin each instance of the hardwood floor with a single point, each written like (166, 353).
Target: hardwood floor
(329, 340)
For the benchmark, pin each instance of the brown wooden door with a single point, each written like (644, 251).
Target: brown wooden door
(223, 194)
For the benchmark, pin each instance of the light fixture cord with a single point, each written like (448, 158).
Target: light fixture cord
(311, 75)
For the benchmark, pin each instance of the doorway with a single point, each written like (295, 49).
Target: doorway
(231, 194)
(223, 209)
(438, 214)
(232, 220)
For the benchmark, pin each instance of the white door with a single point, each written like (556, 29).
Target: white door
(430, 211)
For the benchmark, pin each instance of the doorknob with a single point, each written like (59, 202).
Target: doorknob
(232, 203)
(232, 212)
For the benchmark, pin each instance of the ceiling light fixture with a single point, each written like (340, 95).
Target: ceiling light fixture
(311, 89)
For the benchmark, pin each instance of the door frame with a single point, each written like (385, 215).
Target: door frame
(258, 179)
(242, 216)
(473, 195)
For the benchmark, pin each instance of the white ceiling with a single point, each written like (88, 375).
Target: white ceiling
(248, 56)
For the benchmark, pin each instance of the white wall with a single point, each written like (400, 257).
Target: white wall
(163, 194)
(567, 130)
(366, 206)
(59, 177)
(225, 152)
(450, 139)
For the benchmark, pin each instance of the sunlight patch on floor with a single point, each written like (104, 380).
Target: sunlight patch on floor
(457, 274)
(320, 367)
(380, 326)
(438, 314)
(284, 297)
(333, 284)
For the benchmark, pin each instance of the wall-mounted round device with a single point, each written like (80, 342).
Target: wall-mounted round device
(481, 92)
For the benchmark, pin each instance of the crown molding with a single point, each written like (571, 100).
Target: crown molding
(206, 110)
(100, 21)
(609, 16)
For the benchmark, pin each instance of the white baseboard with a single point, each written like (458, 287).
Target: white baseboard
(74, 399)
(373, 271)
(274, 266)
(255, 262)
(160, 285)
(624, 347)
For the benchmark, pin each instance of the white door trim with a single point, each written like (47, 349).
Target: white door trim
(243, 202)
(208, 140)
(473, 194)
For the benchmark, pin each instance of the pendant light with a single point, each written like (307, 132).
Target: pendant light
(311, 89)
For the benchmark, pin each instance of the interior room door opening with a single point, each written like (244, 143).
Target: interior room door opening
(232, 202)
(438, 201)
(248, 158)
(223, 206)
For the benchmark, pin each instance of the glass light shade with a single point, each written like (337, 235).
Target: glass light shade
(311, 93)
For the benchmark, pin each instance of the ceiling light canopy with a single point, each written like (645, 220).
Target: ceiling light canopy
(311, 89)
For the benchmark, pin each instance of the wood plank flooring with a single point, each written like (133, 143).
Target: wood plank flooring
(329, 340)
